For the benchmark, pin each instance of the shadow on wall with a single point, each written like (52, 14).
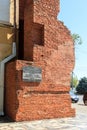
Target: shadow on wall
(36, 38)
(29, 33)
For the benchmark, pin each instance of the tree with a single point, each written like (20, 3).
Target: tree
(74, 81)
(82, 86)
(77, 39)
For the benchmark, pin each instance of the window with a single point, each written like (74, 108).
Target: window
(4, 11)
(7, 9)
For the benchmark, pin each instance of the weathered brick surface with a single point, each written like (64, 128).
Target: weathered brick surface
(55, 52)
(21, 9)
(30, 101)
(48, 45)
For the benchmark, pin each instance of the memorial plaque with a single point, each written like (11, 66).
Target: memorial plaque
(32, 74)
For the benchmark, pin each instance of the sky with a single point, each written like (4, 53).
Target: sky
(74, 15)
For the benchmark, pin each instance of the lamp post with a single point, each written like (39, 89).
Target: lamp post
(72, 80)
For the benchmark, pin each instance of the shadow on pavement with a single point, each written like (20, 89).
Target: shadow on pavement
(5, 119)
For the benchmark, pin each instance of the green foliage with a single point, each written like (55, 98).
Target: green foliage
(82, 86)
(77, 39)
(74, 81)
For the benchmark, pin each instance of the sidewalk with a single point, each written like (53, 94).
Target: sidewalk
(76, 123)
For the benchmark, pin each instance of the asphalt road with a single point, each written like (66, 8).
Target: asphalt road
(80, 107)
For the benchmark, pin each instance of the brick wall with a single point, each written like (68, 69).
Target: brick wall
(48, 45)
(47, 41)
(31, 101)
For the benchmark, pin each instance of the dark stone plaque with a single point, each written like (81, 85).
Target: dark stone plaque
(32, 74)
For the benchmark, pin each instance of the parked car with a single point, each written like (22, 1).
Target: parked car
(74, 97)
(85, 98)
